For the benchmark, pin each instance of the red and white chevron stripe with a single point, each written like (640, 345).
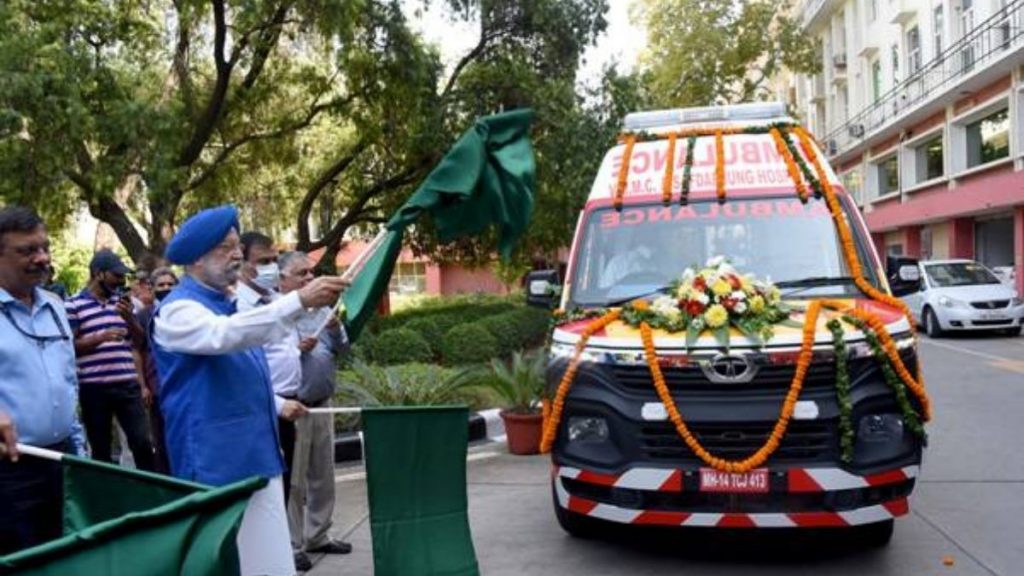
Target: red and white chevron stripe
(858, 516)
(798, 479)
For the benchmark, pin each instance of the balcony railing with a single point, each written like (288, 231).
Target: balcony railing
(986, 43)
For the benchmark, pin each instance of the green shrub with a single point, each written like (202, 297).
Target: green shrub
(399, 346)
(469, 344)
(532, 325)
(505, 330)
(405, 385)
(429, 330)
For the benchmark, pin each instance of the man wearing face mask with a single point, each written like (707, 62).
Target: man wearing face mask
(107, 343)
(258, 286)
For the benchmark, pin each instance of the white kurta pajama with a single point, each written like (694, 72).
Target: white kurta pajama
(188, 327)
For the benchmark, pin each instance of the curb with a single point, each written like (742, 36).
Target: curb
(484, 425)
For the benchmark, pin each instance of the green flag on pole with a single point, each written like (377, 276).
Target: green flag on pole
(416, 484)
(486, 179)
(121, 522)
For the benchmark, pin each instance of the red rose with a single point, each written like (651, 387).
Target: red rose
(694, 307)
(728, 303)
(734, 281)
(699, 284)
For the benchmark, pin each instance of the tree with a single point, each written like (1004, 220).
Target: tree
(706, 52)
(317, 114)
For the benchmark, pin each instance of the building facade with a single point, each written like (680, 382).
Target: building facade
(920, 107)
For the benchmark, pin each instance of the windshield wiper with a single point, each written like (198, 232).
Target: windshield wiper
(627, 299)
(813, 282)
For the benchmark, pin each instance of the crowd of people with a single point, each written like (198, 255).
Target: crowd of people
(241, 347)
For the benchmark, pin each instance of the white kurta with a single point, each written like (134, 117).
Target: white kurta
(186, 326)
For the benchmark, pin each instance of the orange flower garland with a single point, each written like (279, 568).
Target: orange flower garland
(791, 167)
(670, 163)
(775, 438)
(553, 415)
(720, 165)
(627, 155)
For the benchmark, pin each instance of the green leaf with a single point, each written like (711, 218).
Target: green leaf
(692, 335)
(722, 336)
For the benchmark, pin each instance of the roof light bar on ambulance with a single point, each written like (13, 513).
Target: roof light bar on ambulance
(732, 112)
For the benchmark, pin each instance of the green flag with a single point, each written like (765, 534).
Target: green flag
(416, 484)
(487, 178)
(121, 522)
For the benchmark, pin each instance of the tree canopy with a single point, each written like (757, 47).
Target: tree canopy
(706, 52)
(314, 115)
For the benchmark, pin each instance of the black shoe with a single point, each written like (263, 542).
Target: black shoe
(331, 547)
(302, 562)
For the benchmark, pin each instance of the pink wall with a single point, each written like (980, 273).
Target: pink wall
(961, 238)
(913, 240)
(459, 280)
(996, 188)
(433, 278)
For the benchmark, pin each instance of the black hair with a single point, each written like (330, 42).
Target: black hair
(250, 239)
(17, 219)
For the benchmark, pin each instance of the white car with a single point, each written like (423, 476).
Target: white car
(963, 295)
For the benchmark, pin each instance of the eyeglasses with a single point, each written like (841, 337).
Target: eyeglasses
(300, 273)
(41, 340)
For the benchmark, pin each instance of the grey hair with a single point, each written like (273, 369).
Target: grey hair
(163, 271)
(285, 260)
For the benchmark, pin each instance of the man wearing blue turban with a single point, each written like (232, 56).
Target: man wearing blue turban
(215, 392)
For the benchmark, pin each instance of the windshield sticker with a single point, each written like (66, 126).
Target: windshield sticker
(710, 210)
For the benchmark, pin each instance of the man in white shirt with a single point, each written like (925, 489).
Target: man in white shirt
(635, 259)
(219, 409)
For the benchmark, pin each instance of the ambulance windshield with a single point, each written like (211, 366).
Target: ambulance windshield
(637, 251)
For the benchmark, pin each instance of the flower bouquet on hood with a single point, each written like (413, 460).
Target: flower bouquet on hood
(715, 297)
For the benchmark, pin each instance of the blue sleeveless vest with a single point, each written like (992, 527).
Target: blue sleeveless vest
(219, 415)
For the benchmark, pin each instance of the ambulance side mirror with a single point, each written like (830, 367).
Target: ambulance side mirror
(542, 288)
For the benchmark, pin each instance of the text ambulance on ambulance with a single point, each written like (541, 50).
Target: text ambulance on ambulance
(806, 428)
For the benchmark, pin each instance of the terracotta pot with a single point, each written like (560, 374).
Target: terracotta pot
(523, 432)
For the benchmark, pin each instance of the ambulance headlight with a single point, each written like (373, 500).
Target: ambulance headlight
(588, 429)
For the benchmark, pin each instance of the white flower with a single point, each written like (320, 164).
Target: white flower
(688, 275)
(716, 261)
(703, 298)
(740, 307)
(738, 295)
(727, 268)
(665, 305)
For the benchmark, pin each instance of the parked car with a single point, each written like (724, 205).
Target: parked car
(953, 295)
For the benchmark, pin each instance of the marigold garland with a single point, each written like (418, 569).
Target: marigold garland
(554, 413)
(620, 187)
(684, 191)
(778, 431)
(720, 165)
(670, 163)
(791, 167)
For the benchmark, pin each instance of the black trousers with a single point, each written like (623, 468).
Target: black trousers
(31, 501)
(100, 404)
(286, 431)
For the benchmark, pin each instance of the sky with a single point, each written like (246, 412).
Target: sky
(621, 43)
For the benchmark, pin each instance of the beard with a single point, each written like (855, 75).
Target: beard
(221, 275)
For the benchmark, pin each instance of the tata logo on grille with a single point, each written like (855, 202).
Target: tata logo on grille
(729, 369)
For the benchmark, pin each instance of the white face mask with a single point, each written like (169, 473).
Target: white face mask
(267, 276)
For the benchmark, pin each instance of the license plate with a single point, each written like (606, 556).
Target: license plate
(992, 316)
(753, 482)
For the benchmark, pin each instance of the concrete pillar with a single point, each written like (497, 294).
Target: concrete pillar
(1018, 248)
(961, 238)
(433, 279)
(912, 235)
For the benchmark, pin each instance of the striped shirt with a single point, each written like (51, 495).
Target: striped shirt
(111, 361)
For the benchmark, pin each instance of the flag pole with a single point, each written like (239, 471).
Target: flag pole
(335, 410)
(349, 274)
(40, 452)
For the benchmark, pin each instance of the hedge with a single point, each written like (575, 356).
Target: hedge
(469, 344)
(400, 346)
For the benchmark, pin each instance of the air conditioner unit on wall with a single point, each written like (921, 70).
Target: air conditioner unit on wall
(831, 148)
(856, 130)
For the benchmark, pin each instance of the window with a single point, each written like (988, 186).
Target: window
(928, 160)
(888, 175)
(854, 184)
(966, 26)
(1004, 26)
(409, 278)
(937, 24)
(876, 80)
(913, 51)
(872, 10)
(988, 139)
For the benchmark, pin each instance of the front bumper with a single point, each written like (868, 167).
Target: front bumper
(969, 318)
(798, 498)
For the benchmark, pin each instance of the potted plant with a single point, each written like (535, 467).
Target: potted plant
(519, 386)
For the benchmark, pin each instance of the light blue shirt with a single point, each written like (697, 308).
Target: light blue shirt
(38, 382)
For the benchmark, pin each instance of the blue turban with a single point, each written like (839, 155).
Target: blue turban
(201, 233)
